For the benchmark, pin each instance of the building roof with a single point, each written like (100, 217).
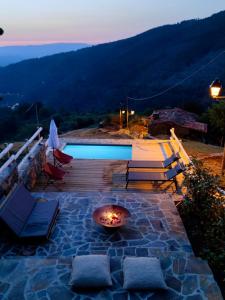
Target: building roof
(179, 117)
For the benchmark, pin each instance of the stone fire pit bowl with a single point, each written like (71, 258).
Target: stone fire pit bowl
(111, 216)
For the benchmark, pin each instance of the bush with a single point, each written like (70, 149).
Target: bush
(203, 214)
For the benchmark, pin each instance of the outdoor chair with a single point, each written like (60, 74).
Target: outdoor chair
(61, 158)
(147, 164)
(26, 216)
(53, 173)
(169, 175)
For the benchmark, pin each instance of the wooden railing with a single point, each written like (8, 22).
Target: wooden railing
(6, 151)
(178, 147)
(27, 144)
(15, 157)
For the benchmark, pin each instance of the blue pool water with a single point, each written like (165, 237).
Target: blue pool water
(116, 152)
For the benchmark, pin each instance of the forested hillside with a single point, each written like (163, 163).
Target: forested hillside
(100, 77)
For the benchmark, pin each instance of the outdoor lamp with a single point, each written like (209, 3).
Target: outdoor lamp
(123, 112)
(132, 112)
(1, 31)
(215, 89)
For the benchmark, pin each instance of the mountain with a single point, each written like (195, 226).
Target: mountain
(100, 77)
(14, 54)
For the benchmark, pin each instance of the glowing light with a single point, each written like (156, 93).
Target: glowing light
(215, 88)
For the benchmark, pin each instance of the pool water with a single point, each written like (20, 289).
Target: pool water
(114, 152)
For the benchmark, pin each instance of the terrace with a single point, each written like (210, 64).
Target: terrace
(42, 270)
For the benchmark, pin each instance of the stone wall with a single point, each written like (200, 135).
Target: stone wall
(32, 164)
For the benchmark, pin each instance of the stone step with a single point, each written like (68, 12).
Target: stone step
(182, 262)
(35, 277)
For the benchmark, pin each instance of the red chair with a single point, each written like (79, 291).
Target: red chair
(62, 158)
(53, 173)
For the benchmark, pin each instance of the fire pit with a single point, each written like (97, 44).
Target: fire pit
(111, 216)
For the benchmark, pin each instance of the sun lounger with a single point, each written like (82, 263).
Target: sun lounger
(153, 163)
(169, 175)
(62, 158)
(27, 217)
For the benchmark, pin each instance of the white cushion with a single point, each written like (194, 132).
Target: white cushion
(91, 271)
(143, 273)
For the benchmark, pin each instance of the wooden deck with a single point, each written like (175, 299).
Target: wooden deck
(110, 175)
(98, 176)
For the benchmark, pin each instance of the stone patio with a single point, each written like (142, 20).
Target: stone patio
(41, 271)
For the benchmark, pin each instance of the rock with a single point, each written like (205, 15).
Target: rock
(190, 285)
(197, 266)
(179, 266)
(17, 290)
(43, 279)
(157, 225)
(174, 283)
(141, 251)
(59, 293)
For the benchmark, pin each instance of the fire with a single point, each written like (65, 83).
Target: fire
(111, 218)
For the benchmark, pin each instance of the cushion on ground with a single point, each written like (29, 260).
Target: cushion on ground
(91, 271)
(40, 221)
(143, 273)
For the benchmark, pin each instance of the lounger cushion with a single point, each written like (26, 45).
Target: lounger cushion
(91, 271)
(148, 176)
(143, 273)
(153, 163)
(17, 209)
(41, 219)
(155, 176)
(145, 164)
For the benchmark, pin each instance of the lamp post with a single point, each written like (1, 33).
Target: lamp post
(215, 90)
(36, 112)
(122, 113)
(129, 113)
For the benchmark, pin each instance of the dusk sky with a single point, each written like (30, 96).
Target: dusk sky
(93, 21)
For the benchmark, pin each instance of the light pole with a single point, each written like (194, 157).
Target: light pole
(128, 113)
(122, 112)
(36, 112)
(215, 90)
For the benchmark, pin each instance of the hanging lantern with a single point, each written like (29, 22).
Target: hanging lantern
(215, 88)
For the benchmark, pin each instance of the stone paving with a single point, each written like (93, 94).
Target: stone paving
(41, 271)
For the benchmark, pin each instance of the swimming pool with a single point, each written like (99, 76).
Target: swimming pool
(114, 152)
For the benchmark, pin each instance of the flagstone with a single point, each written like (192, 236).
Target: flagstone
(154, 229)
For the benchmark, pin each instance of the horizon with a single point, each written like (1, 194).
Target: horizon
(43, 44)
(84, 23)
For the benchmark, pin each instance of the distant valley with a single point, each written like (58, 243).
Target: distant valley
(14, 54)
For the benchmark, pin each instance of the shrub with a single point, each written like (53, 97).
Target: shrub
(203, 214)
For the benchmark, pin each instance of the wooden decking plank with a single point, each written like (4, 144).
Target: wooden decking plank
(96, 175)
